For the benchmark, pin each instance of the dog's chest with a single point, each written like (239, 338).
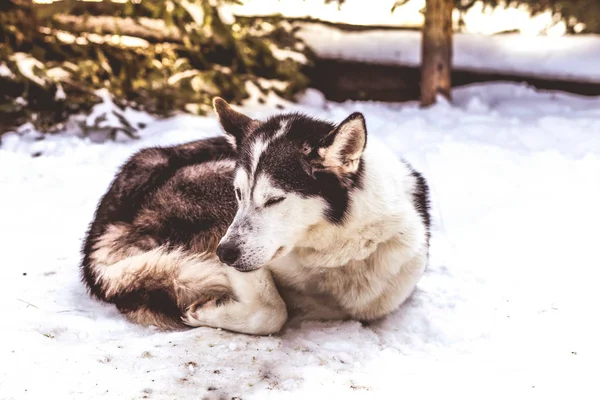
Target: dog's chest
(288, 272)
(342, 280)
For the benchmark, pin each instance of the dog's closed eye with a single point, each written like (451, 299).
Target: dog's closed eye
(274, 200)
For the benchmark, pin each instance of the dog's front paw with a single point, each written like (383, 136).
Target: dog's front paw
(199, 312)
(208, 302)
(196, 317)
(200, 316)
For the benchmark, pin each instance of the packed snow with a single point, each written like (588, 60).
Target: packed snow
(506, 309)
(574, 58)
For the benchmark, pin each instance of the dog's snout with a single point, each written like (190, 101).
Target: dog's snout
(228, 253)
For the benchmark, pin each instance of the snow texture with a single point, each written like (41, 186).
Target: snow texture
(574, 58)
(28, 65)
(5, 71)
(506, 309)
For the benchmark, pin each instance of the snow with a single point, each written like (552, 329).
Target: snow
(60, 92)
(573, 58)
(5, 71)
(194, 10)
(106, 116)
(506, 309)
(283, 54)
(27, 66)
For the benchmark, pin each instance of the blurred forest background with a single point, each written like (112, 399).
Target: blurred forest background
(61, 58)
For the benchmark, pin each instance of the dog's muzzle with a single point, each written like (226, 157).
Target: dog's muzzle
(229, 253)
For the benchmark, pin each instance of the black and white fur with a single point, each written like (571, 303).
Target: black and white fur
(290, 216)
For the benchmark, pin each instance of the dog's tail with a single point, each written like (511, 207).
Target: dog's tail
(154, 287)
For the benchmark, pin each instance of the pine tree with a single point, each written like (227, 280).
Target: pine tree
(161, 57)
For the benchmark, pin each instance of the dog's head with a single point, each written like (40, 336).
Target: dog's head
(292, 172)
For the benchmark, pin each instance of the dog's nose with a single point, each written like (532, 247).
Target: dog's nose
(228, 253)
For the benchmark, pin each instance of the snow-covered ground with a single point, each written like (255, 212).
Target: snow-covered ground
(574, 58)
(508, 307)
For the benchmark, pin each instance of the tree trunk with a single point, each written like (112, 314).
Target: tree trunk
(436, 50)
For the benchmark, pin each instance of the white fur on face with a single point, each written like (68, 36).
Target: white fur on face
(241, 181)
(259, 146)
(283, 129)
(265, 190)
(260, 232)
(264, 233)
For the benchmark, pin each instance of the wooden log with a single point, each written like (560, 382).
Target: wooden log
(344, 80)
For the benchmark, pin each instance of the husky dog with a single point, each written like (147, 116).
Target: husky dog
(281, 218)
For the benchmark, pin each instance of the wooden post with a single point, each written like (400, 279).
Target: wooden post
(436, 51)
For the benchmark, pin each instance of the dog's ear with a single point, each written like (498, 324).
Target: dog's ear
(235, 124)
(341, 150)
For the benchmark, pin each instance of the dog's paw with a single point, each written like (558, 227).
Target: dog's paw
(203, 314)
(195, 318)
(201, 309)
(206, 302)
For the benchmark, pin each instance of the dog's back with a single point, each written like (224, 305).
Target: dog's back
(167, 207)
